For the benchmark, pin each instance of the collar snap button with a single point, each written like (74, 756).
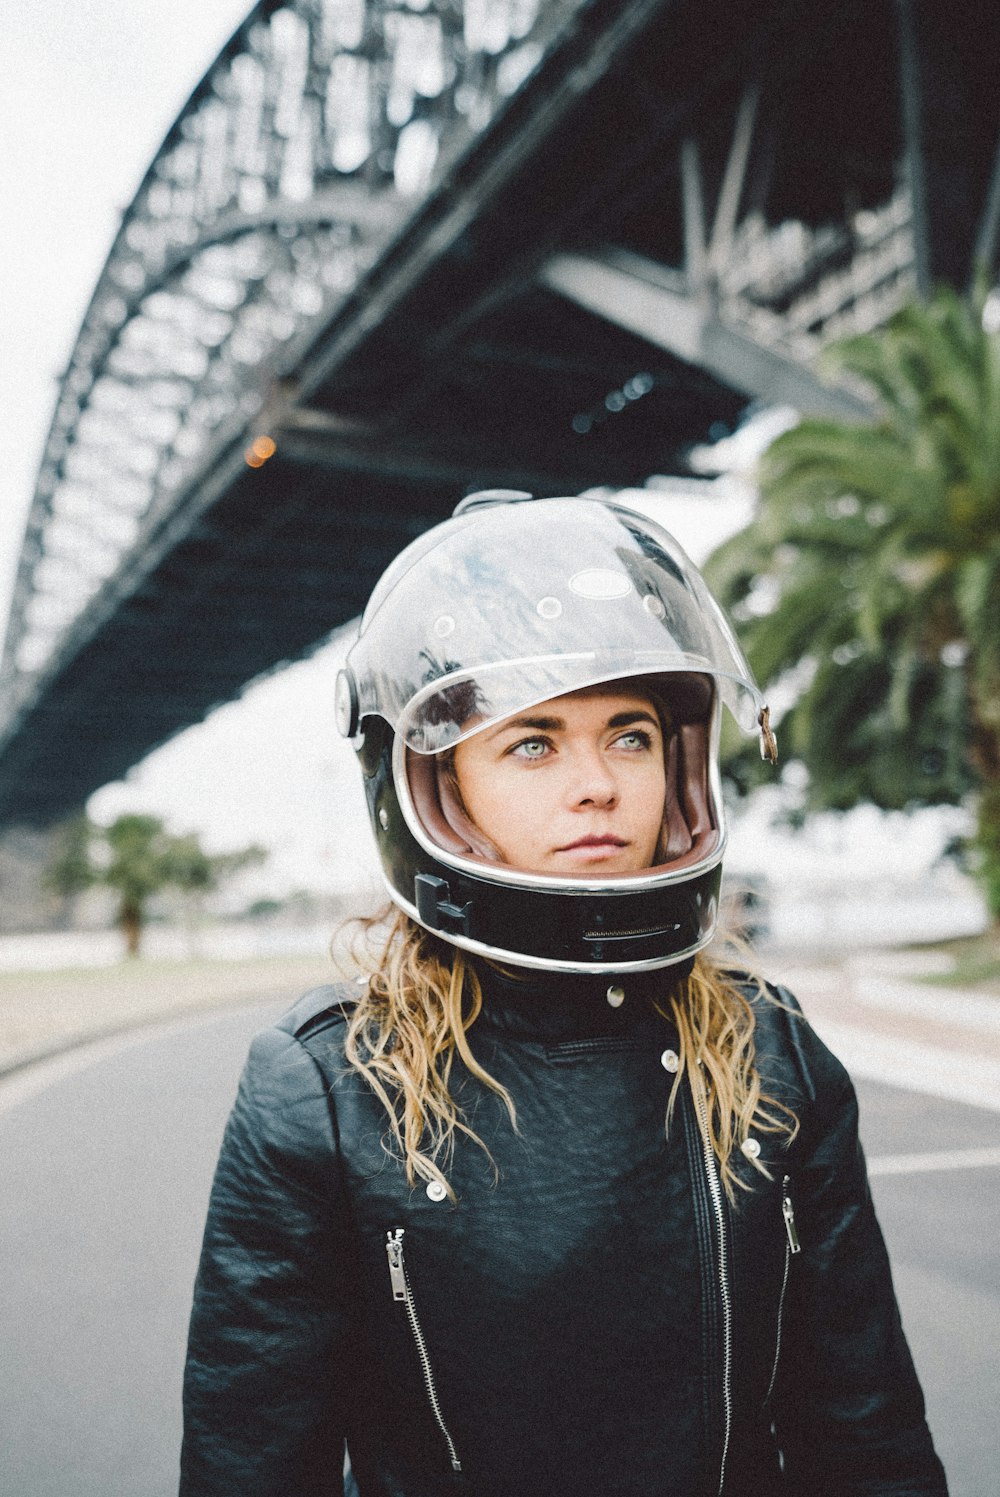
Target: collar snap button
(751, 1148)
(670, 1061)
(616, 995)
(436, 1191)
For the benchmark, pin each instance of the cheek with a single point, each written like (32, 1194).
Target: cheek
(650, 791)
(489, 798)
(486, 805)
(510, 807)
(514, 805)
(517, 834)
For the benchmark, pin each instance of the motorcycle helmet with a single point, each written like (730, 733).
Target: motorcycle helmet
(512, 602)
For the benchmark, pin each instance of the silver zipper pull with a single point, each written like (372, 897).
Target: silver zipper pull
(788, 1212)
(394, 1251)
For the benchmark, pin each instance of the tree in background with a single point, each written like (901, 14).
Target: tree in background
(137, 857)
(68, 872)
(870, 579)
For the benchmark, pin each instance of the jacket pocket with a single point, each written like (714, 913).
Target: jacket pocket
(399, 1280)
(792, 1246)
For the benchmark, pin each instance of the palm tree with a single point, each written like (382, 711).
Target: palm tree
(871, 576)
(138, 858)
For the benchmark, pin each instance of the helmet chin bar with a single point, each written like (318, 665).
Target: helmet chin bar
(679, 921)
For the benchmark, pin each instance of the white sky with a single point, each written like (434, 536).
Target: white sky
(90, 89)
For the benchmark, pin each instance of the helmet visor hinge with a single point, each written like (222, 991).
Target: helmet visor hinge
(768, 742)
(435, 909)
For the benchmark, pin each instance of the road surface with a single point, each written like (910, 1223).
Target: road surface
(105, 1164)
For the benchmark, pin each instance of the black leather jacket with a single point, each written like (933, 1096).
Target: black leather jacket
(590, 1317)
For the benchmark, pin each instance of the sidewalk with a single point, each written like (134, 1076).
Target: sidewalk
(45, 1013)
(869, 1008)
(887, 1026)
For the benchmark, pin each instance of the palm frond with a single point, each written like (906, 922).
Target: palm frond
(875, 558)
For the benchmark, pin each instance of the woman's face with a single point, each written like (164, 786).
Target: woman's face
(574, 785)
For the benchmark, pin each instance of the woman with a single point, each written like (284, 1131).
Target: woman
(548, 1202)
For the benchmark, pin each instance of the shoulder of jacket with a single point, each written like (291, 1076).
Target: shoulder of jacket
(771, 999)
(771, 1003)
(320, 1009)
(785, 1037)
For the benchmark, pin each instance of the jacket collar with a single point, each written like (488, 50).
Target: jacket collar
(553, 1007)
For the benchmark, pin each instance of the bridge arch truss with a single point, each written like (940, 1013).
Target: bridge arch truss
(447, 243)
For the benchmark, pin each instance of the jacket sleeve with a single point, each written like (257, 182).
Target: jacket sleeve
(269, 1331)
(849, 1411)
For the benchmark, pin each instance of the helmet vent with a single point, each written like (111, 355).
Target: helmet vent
(623, 935)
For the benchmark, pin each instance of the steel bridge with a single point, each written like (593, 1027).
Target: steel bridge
(392, 250)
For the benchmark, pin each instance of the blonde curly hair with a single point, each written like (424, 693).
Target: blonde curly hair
(411, 1027)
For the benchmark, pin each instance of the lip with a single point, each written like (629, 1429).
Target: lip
(585, 843)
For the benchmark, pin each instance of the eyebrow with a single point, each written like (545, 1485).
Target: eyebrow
(558, 724)
(623, 719)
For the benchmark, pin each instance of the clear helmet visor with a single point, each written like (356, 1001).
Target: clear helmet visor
(501, 608)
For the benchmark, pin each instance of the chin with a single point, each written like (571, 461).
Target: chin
(594, 861)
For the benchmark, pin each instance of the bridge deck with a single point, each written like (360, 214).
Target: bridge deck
(666, 142)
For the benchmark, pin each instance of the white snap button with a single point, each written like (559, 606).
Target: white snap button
(444, 626)
(435, 1190)
(383, 819)
(670, 1060)
(653, 605)
(751, 1148)
(616, 996)
(549, 608)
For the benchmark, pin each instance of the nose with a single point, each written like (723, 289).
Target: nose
(594, 782)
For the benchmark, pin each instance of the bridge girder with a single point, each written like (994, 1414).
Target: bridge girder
(632, 295)
(442, 310)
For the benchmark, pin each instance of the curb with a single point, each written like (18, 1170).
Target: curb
(19, 1062)
(913, 1066)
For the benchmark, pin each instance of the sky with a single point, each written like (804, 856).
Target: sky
(90, 89)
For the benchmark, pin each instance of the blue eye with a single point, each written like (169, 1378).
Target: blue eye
(636, 738)
(530, 748)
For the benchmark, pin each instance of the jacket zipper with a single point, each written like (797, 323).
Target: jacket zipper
(792, 1245)
(788, 1212)
(401, 1291)
(715, 1191)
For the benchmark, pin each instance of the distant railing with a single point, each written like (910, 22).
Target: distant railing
(797, 289)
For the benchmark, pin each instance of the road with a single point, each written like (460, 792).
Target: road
(104, 1173)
